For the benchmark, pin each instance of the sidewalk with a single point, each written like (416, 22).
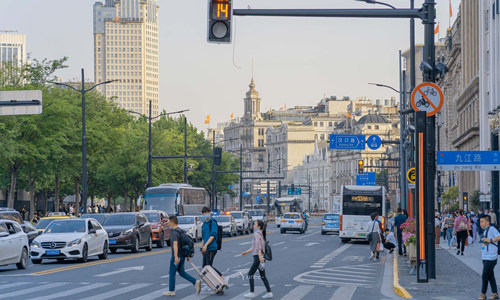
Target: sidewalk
(458, 277)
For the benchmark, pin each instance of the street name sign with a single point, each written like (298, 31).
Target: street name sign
(374, 142)
(27, 102)
(297, 191)
(347, 142)
(368, 178)
(257, 198)
(427, 97)
(468, 160)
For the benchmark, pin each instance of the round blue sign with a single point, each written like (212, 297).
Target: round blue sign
(374, 142)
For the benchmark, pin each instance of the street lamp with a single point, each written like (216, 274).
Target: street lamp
(150, 173)
(386, 86)
(82, 90)
(377, 2)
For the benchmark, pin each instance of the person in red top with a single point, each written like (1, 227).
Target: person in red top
(461, 229)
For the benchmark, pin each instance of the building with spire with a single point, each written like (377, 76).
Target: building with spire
(126, 50)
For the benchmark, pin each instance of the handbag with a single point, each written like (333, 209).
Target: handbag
(369, 237)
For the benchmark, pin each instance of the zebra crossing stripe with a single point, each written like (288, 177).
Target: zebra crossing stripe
(117, 292)
(159, 293)
(11, 285)
(32, 290)
(258, 290)
(72, 291)
(344, 292)
(298, 293)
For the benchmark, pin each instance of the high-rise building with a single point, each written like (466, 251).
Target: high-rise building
(126, 50)
(12, 48)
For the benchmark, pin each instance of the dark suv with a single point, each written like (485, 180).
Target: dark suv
(14, 215)
(128, 231)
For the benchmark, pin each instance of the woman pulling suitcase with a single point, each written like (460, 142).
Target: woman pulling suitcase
(258, 249)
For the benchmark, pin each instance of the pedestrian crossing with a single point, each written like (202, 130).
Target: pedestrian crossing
(329, 257)
(151, 291)
(354, 275)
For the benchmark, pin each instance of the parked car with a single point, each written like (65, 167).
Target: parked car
(243, 221)
(100, 217)
(330, 223)
(160, 226)
(14, 215)
(258, 214)
(228, 224)
(130, 231)
(292, 222)
(44, 222)
(14, 247)
(30, 230)
(70, 239)
(191, 225)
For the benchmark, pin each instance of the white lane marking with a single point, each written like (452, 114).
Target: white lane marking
(159, 293)
(311, 244)
(278, 243)
(121, 270)
(72, 291)
(258, 290)
(166, 276)
(298, 292)
(117, 292)
(344, 293)
(32, 290)
(322, 262)
(322, 276)
(246, 243)
(306, 236)
(6, 286)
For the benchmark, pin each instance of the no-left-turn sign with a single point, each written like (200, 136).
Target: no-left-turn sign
(427, 97)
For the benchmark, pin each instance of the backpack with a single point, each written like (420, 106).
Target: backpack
(462, 226)
(218, 239)
(268, 254)
(186, 245)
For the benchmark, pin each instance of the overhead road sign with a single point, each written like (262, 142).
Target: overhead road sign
(411, 175)
(296, 191)
(374, 142)
(368, 178)
(427, 97)
(347, 142)
(468, 160)
(20, 102)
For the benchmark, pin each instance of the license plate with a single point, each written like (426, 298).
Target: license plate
(291, 222)
(362, 235)
(112, 242)
(52, 252)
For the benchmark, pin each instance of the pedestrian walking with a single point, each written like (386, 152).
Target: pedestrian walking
(374, 235)
(398, 221)
(449, 224)
(306, 219)
(258, 249)
(391, 222)
(489, 255)
(177, 261)
(493, 217)
(461, 230)
(390, 240)
(209, 235)
(437, 224)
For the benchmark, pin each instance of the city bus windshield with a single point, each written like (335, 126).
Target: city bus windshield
(361, 204)
(161, 200)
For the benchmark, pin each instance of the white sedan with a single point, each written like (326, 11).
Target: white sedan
(13, 244)
(191, 225)
(70, 238)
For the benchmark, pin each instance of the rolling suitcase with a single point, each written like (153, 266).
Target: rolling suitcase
(211, 278)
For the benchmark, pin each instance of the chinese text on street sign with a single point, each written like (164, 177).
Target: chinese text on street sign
(468, 160)
(347, 142)
(368, 178)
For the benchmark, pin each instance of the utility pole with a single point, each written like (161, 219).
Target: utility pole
(213, 203)
(241, 177)
(268, 197)
(185, 152)
(150, 154)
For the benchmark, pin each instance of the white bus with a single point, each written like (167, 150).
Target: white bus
(176, 199)
(357, 203)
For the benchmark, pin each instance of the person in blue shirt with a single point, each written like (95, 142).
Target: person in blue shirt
(306, 218)
(489, 255)
(209, 236)
(398, 221)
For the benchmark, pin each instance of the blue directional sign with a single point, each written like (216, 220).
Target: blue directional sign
(347, 142)
(297, 191)
(257, 198)
(245, 194)
(230, 187)
(468, 160)
(374, 142)
(368, 178)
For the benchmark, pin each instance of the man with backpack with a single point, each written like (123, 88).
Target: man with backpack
(489, 255)
(211, 241)
(178, 240)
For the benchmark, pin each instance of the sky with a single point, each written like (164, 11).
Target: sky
(296, 61)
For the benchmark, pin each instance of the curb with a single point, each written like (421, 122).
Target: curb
(401, 291)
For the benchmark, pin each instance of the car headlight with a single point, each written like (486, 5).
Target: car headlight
(35, 244)
(74, 243)
(128, 231)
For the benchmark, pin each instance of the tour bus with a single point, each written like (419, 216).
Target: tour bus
(176, 199)
(357, 203)
(285, 205)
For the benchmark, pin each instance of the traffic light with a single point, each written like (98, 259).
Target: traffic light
(466, 200)
(218, 156)
(220, 14)
(360, 166)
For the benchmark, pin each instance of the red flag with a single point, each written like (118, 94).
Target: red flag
(436, 31)
(451, 10)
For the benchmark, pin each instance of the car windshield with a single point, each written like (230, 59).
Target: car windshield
(255, 213)
(66, 226)
(119, 219)
(43, 223)
(291, 216)
(222, 219)
(331, 217)
(237, 215)
(99, 217)
(185, 220)
(153, 217)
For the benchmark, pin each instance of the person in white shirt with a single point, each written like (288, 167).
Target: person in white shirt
(390, 240)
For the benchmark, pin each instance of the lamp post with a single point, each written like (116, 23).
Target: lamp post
(377, 2)
(82, 91)
(150, 118)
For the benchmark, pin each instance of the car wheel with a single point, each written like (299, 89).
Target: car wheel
(23, 263)
(161, 243)
(282, 231)
(135, 244)
(36, 261)
(113, 250)
(149, 247)
(104, 254)
(85, 254)
(323, 233)
(344, 240)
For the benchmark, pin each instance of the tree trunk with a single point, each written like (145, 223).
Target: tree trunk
(125, 201)
(13, 181)
(77, 196)
(46, 201)
(31, 181)
(108, 208)
(56, 197)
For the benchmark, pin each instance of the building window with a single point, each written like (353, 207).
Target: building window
(330, 124)
(377, 127)
(315, 124)
(321, 124)
(369, 127)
